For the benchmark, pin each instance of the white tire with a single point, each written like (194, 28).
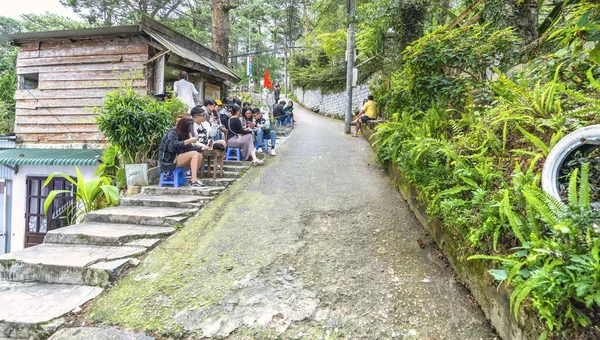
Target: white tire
(585, 139)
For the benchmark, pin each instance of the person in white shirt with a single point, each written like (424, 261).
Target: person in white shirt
(184, 90)
(204, 131)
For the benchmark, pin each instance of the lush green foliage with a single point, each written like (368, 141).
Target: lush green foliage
(462, 139)
(113, 167)
(450, 65)
(557, 263)
(90, 195)
(136, 123)
(383, 29)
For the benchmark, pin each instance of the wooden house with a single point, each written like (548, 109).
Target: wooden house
(62, 77)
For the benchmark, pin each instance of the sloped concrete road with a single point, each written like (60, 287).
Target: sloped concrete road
(315, 244)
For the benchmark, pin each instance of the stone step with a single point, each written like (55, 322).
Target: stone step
(183, 190)
(75, 264)
(106, 234)
(28, 308)
(236, 163)
(171, 201)
(223, 182)
(153, 216)
(99, 333)
(237, 168)
(226, 174)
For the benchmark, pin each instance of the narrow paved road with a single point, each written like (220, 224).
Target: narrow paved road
(316, 244)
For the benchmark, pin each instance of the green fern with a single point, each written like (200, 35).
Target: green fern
(534, 140)
(584, 186)
(572, 190)
(515, 221)
(520, 293)
(532, 197)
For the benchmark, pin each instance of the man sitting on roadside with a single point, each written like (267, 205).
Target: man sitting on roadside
(368, 112)
(279, 113)
(263, 129)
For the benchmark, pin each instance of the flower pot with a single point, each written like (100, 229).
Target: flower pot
(137, 174)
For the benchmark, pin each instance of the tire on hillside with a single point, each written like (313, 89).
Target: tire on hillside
(586, 140)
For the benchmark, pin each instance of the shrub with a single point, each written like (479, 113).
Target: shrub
(447, 66)
(557, 264)
(136, 123)
(91, 195)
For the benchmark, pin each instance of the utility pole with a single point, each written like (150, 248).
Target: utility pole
(285, 68)
(249, 61)
(350, 55)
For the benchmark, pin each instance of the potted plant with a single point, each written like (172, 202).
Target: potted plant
(135, 124)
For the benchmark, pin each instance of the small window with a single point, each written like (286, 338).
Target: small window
(28, 81)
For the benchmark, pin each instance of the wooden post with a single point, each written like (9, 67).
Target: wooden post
(159, 76)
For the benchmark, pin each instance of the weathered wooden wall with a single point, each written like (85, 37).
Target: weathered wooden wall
(74, 76)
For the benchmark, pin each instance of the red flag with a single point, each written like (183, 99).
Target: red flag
(268, 80)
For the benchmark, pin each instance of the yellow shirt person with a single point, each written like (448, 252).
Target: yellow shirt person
(368, 112)
(370, 109)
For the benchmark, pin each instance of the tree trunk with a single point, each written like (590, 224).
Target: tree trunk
(221, 27)
(522, 15)
(525, 19)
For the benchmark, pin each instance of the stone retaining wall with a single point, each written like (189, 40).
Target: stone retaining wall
(334, 103)
(493, 299)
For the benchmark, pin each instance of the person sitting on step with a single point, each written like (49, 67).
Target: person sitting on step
(247, 119)
(279, 113)
(263, 131)
(204, 131)
(368, 112)
(176, 150)
(289, 109)
(238, 137)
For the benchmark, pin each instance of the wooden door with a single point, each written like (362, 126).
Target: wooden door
(38, 223)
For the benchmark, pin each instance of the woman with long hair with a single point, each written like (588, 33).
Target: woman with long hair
(289, 109)
(247, 119)
(176, 150)
(238, 137)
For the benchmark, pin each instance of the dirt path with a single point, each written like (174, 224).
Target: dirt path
(316, 244)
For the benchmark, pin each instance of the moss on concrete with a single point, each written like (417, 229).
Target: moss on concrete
(187, 272)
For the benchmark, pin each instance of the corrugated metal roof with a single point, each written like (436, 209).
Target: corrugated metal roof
(7, 142)
(69, 33)
(20, 156)
(190, 55)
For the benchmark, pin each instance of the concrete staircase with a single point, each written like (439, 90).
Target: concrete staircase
(41, 284)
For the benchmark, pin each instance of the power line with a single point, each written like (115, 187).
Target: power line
(264, 51)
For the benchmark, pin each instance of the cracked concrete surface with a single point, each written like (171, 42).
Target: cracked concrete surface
(315, 244)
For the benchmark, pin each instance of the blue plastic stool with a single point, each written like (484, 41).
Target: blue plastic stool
(175, 178)
(265, 143)
(228, 156)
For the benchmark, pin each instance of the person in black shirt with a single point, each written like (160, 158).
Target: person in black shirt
(176, 150)
(238, 137)
(279, 113)
(277, 92)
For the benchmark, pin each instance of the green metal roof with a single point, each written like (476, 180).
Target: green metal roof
(78, 157)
